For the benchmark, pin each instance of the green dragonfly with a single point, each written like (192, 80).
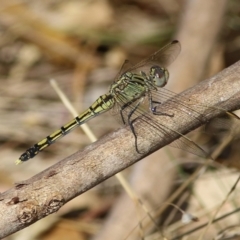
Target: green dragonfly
(134, 86)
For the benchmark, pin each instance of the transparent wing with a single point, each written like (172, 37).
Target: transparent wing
(166, 103)
(171, 104)
(163, 58)
(197, 114)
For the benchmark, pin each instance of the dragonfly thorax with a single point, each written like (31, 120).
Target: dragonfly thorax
(130, 87)
(159, 76)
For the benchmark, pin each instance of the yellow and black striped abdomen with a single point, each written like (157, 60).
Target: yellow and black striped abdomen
(101, 105)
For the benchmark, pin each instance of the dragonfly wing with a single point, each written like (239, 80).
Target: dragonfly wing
(154, 126)
(170, 105)
(125, 66)
(163, 58)
(190, 146)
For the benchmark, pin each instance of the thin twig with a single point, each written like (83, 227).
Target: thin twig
(219, 208)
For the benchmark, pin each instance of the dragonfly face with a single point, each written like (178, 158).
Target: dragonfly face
(159, 76)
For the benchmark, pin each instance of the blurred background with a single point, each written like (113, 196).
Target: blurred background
(82, 45)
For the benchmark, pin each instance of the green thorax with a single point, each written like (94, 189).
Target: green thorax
(130, 87)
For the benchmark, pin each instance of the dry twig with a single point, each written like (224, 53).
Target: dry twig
(46, 192)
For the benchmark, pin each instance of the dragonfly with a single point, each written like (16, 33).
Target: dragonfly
(137, 91)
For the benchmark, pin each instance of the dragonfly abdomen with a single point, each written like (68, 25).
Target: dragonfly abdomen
(101, 105)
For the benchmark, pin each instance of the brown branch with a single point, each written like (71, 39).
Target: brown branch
(46, 192)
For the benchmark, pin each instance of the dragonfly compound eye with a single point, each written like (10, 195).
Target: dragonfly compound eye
(159, 76)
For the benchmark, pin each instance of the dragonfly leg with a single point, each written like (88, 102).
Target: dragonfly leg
(130, 122)
(154, 108)
(121, 113)
(132, 111)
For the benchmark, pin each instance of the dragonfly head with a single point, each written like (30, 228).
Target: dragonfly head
(159, 76)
